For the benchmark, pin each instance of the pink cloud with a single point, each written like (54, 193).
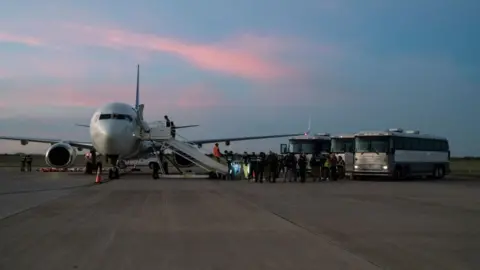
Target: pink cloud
(77, 96)
(31, 41)
(245, 61)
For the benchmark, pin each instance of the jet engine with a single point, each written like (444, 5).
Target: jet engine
(60, 155)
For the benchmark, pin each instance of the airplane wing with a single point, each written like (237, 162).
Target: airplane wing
(200, 142)
(25, 140)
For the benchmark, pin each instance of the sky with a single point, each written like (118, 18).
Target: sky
(243, 67)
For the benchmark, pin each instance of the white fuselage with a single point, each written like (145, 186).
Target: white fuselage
(115, 130)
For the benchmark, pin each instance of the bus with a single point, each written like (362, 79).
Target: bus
(344, 146)
(320, 143)
(398, 154)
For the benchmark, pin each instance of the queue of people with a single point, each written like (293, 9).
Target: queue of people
(272, 166)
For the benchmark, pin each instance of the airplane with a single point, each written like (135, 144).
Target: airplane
(117, 133)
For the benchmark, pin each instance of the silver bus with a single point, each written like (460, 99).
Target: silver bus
(398, 154)
(344, 146)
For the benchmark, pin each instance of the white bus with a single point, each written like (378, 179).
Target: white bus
(344, 146)
(398, 154)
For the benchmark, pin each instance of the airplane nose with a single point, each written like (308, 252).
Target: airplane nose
(111, 136)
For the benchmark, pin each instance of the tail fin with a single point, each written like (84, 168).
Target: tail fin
(137, 98)
(309, 126)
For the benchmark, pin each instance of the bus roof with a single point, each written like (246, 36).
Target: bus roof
(307, 137)
(344, 136)
(399, 134)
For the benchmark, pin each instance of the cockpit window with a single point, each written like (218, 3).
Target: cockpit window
(116, 116)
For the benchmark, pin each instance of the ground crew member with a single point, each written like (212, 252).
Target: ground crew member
(23, 160)
(216, 152)
(341, 167)
(245, 165)
(272, 162)
(261, 160)
(326, 169)
(253, 165)
(167, 121)
(229, 158)
(302, 165)
(29, 163)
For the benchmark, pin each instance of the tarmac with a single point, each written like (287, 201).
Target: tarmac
(65, 221)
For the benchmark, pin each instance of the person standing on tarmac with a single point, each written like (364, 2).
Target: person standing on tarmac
(272, 161)
(302, 165)
(341, 167)
(229, 158)
(253, 166)
(291, 164)
(333, 167)
(281, 166)
(29, 163)
(314, 164)
(23, 160)
(261, 160)
(245, 165)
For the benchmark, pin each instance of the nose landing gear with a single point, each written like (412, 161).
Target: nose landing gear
(114, 173)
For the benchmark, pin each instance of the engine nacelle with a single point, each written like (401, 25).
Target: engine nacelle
(181, 161)
(60, 155)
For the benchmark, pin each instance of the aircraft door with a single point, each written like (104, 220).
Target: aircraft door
(283, 148)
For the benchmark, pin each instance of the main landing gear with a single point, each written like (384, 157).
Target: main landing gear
(113, 173)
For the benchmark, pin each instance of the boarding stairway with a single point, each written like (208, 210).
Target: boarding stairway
(160, 136)
(191, 153)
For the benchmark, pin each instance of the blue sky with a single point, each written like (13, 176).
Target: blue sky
(244, 67)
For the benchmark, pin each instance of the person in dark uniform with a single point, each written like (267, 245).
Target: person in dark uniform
(302, 165)
(314, 164)
(272, 161)
(167, 121)
(281, 165)
(261, 160)
(253, 165)
(29, 163)
(173, 129)
(23, 160)
(229, 158)
(333, 167)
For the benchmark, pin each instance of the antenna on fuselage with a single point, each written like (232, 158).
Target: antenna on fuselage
(137, 98)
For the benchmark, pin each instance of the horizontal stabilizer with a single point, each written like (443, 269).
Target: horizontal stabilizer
(82, 125)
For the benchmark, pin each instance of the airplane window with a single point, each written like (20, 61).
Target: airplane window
(105, 116)
(122, 117)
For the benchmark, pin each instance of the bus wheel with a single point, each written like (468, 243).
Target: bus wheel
(439, 172)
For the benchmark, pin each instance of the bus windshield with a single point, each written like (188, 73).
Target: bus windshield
(342, 145)
(377, 144)
(309, 147)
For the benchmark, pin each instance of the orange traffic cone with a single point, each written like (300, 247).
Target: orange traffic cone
(98, 179)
